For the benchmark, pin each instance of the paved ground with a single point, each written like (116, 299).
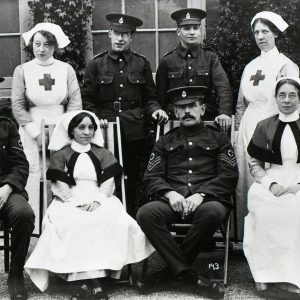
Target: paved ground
(240, 283)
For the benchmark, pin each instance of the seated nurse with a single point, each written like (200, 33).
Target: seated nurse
(272, 226)
(87, 233)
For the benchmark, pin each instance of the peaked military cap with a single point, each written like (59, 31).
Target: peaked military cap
(187, 94)
(188, 16)
(2, 79)
(123, 23)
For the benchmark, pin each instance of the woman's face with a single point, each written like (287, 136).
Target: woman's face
(41, 48)
(84, 132)
(287, 98)
(264, 37)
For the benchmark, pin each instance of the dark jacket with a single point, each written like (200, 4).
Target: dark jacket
(265, 142)
(192, 161)
(14, 167)
(198, 66)
(120, 81)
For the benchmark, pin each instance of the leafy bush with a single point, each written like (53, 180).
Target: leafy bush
(234, 40)
(73, 17)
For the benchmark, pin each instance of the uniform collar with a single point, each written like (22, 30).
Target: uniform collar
(273, 51)
(193, 51)
(289, 118)
(192, 131)
(79, 147)
(115, 55)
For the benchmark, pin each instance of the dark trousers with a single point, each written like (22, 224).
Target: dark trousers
(154, 218)
(19, 216)
(133, 156)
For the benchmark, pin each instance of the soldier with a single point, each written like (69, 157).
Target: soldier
(191, 175)
(119, 82)
(14, 208)
(191, 64)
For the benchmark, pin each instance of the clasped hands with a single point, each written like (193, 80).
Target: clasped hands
(184, 205)
(278, 190)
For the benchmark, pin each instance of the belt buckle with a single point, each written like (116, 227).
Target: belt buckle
(117, 105)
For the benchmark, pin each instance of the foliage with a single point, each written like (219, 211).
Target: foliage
(234, 40)
(73, 17)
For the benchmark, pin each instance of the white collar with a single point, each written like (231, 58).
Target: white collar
(271, 52)
(47, 62)
(79, 147)
(289, 118)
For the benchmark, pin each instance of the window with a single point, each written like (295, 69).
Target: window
(154, 38)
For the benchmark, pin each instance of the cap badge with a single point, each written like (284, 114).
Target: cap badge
(183, 94)
(121, 21)
(188, 16)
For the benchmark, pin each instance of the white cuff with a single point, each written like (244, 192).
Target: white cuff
(267, 181)
(32, 129)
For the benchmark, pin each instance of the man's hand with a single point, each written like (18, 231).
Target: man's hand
(103, 123)
(5, 191)
(224, 122)
(175, 200)
(294, 189)
(191, 203)
(160, 116)
(277, 189)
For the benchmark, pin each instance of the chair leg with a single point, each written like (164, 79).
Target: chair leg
(6, 250)
(130, 278)
(144, 269)
(226, 251)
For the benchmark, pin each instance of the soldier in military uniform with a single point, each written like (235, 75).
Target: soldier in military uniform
(119, 82)
(191, 64)
(14, 208)
(191, 175)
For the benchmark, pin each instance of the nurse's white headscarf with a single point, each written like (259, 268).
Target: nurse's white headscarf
(273, 18)
(61, 38)
(60, 137)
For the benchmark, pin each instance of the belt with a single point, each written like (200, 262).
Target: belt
(120, 105)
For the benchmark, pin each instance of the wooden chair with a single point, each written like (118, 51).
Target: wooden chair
(6, 244)
(179, 230)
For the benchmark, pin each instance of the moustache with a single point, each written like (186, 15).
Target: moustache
(188, 117)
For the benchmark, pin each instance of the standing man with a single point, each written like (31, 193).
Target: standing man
(191, 64)
(14, 208)
(119, 82)
(191, 176)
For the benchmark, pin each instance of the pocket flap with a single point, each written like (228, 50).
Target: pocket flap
(138, 79)
(104, 79)
(175, 74)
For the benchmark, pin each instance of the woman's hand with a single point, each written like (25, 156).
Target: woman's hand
(277, 189)
(293, 189)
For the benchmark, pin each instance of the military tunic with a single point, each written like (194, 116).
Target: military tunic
(193, 161)
(120, 81)
(197, 66)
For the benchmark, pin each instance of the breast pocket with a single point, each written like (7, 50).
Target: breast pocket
(208, 149)
(136, 84)
(175, 154)
(203, 75)
(175, 78)
(105, 87)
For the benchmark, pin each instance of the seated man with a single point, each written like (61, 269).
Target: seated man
(191, 175)
(14, 208)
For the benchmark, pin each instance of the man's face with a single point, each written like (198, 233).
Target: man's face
(189, 35)
(120, 41)
(190, 114)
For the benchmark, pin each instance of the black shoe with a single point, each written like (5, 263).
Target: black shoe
(99, 293)
(16, 286)
(214, 290)
(162, 276)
